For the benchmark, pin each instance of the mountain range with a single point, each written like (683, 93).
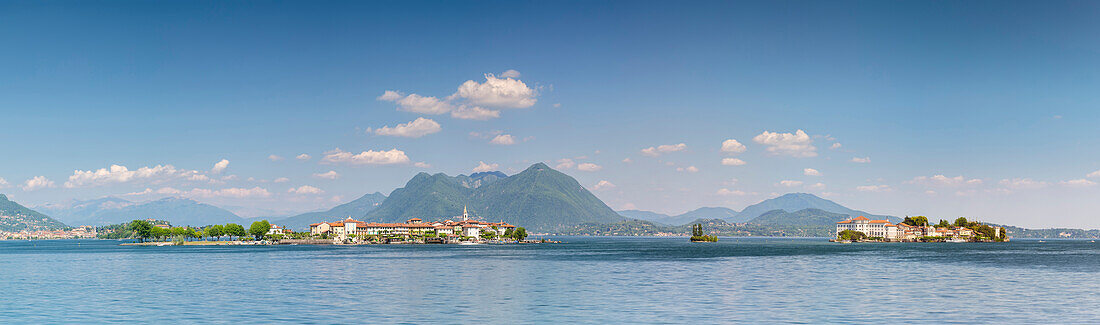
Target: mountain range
(111, 210)
(356, 209)
(16, 217)
(538, 198)
(683, 218)
(788, 209)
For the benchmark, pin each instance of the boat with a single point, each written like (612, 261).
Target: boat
(956, 240)
(469, 243)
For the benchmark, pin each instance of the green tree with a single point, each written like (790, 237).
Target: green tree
(488, 233)
(961, 222)
(916, 221)
(215, 231)
(508, 232)
(519, 234)
(944, 224)
(849, 234)
(158, 233)
(142, 229)
(259, 229)
(233, 229)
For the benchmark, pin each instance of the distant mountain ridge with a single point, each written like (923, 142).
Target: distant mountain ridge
(539, 198)
(802, 217)
(793, 202)
(16, 217)
(356, 209)
(107, 211)
(683, 218)
(787, 210)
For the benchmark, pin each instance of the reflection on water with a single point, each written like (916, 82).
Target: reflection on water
(585, 280)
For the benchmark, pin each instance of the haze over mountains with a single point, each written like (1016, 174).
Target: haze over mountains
(788, 209)
(357, 209)
(110, 210)
(16, 217)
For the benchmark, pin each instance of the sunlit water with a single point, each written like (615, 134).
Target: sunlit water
(584, 280)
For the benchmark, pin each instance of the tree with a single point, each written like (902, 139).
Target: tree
(916, 221)
(508, 232)
(849, 234)
(943, 224)
(488, 233)
(215, 231)
(158, 233)
(519, 234)
(233, 229)
(142, 229)
(259, 229)
(961, 222)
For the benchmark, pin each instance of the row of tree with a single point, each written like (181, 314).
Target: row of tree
(983, 230)
(144, 230)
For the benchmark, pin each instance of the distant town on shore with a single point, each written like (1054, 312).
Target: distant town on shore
(540, 199)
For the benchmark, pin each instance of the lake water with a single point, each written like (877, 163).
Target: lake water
(584, 280)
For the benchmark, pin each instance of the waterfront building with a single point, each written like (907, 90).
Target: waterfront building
(872, 228)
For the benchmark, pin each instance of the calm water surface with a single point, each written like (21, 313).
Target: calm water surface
(585, 280)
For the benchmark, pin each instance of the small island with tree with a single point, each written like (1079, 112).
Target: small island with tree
(697, 235)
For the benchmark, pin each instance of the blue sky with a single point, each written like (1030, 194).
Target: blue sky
(980, 109)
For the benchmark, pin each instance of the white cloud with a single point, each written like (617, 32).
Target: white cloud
(422, 164)
(817, 186)
(236, 192)
(414, 129)
(663, 149)
(798, 145)
(790, 183)
(940, 180)
(503, 139)
(198, 178)
(146, 191)
(811, 172)
(603, 185)
(162, 190)
(874, 188)
(1022, 183)
(305, 189)
(369, 157)
(1094, 174)
(220, 166)
(496, 92)
(119, 174)
(274, 158)
(589, 167)
(510, 74)
(731, 146)
(627, 160)
(303, 157)
(36, 183)
(835, 146)
(733, 162)
(728, 192)
(565, 163)
(483, 167)
(3, 182)
(417, 103)
(690, 169)
(863, 160)
(1078, 183)
(281, 180)
(332, 174)
(474, 113)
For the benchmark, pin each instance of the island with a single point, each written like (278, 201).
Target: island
(917, 229)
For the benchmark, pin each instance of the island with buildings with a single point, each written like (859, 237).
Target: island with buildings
(917, 229)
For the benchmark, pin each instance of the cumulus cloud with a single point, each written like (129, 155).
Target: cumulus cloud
(504, 92)
(627, 160)
(816, 186)
(3, 182)
(37, 183)
(303, 157)
(565, 163)
(811, 172)
(510, 74)
(663, 149)
(603, 185)
(162, 190)
(798, 144)
(731, 146)
(1022, 183)
(305, 189)
(790, 183)
(690, 169)
(332, 174)
(940, 180)
(728, 192)
(733, 162)
(274, 158)
(281, 180)
(874, 188)
(589, 167)
(414, 129)
(1094, 174)
(1077, 183)
(863, 160)
(369, 157)
(220, 166)
(121, 174)
(422, 164)
(503, 139)
(474, 113)
(416, 103)
(835, 146)
(236, 192)
(483, 167)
